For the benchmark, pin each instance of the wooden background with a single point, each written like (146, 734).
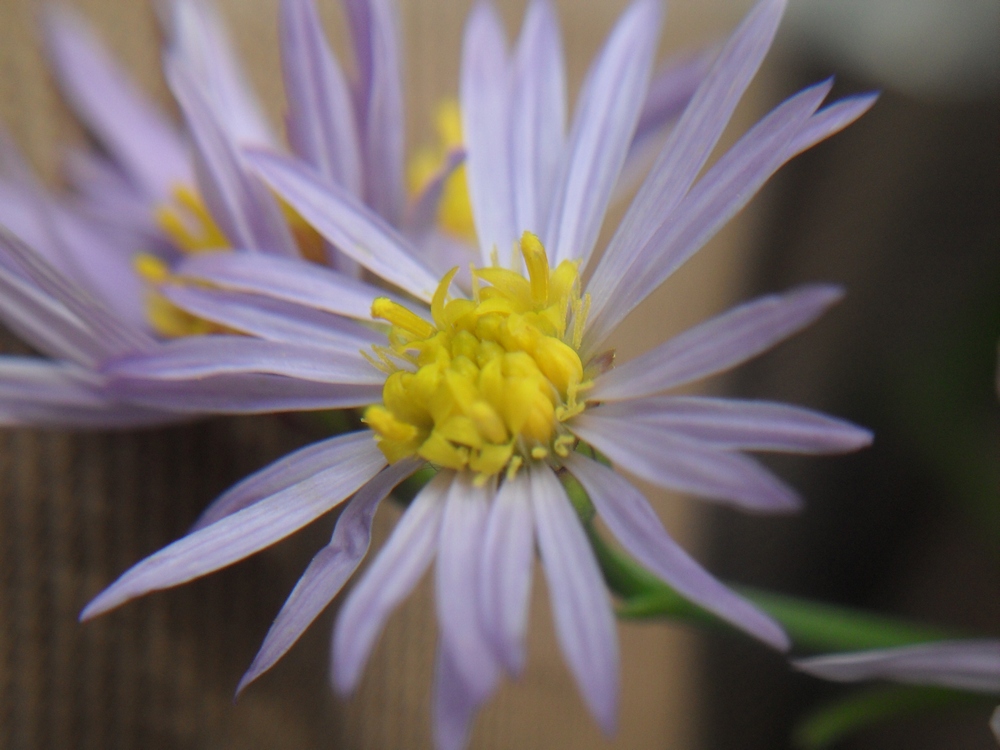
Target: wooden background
(77, 509)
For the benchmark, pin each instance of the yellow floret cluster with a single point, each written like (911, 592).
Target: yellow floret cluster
(493, 377)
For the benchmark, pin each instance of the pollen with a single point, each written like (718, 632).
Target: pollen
(487, 382)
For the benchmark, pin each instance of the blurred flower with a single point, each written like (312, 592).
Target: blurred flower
(972, 665)
(509, 390)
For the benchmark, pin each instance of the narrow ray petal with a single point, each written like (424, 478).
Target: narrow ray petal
(455, 705)
(322, 126)
(328, 571)
(733, 424)
(115, 335)
(288, 471)
(717, 344)
(198, 40)
(271, 320)
(723, 191)
(243, 393)
(538, 116)
(460, 545)
(603, 126)
(41, 393)
(304, 284)
(193, 357)
(660, 457)
(400, 564)
(691, 142)
(241, 534)
(244, 209)
(355, 230)
(505, 575)
(484, 93)
(962, 665)
(638, 528)
(134, 131)
(383, 123)
(584, 621)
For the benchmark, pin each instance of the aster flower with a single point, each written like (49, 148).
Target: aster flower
(156, 194)
(509, 390)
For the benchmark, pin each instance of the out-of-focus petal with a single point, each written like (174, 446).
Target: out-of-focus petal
(241, 534)
(304, 284)
(457, 590)
(423, 212)
(246, 212)
(199, 42)
(128, 125)
(603, 126)
(272, 320)
(733, 424)
(963, 665)
(381, 97)
(329, 569)
(288, 471)
(193, 357)
(322, 126)
(717, 344)
(638, 528)
(353, 228)
(584, 621)
(538, 117)
(484, 94)
(660, 457)
(400, 564)
(454, 705)
(41, 393)
(505, 575)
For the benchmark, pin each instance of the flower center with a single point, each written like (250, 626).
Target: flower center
(489, 383)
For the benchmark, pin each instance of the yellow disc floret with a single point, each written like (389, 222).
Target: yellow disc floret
(494, 376)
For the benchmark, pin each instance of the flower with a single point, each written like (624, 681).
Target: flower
(156, 194)
(510, 389)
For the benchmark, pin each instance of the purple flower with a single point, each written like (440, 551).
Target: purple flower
(506, 387)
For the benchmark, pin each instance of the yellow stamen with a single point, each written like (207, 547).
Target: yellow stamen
(495, 377)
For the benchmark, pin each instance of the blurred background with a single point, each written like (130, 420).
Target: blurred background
(903, 208)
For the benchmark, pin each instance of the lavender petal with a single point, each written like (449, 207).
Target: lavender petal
(666, 460)
(322, 126)
(484, 95)
(602, 131)
(288, 471)
(134, 131)
(505, 574)
(353, 228)
(718, 344)
(396, 570)
(328, 571)
(733, 424)
(963, 665)
(246, 212)
(638, 528)
(583, 618)
(538, 116)
(241, 534)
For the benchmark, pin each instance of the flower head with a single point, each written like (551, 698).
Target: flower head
(507, 387)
